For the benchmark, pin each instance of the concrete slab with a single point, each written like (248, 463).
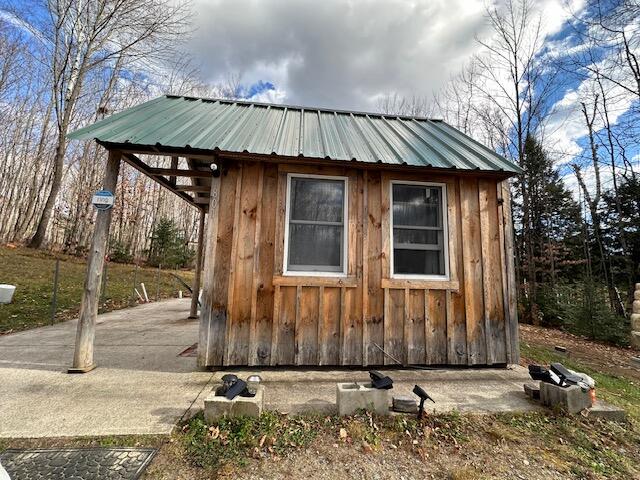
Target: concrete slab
(141, 385)
(607, 411)
(466, 390)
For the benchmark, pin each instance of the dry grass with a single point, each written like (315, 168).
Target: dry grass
(32, 272)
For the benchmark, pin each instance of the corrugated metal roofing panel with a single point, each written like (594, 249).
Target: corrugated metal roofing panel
(237, 126)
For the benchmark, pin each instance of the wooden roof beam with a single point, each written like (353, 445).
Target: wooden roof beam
(177, 172)
(139, 165)
(193, 188)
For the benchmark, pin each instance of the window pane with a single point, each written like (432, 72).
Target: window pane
(429, 237)
(316, 199)
(418, 262)
(315, 248)
(417, 205)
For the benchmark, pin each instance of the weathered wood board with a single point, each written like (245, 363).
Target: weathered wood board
(269, 318)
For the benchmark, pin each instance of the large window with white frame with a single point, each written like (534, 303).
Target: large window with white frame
(419, 230)
(315, 228)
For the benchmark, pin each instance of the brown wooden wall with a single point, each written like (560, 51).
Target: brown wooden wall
(253, 315)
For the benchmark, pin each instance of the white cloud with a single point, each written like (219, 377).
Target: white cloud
(338, 53)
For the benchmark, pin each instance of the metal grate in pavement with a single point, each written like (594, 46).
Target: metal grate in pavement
(77, 463)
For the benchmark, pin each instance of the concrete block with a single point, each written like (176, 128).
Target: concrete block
(404, 404)
(572, 398)
(635, 340)
(218, 406)
(352, 397)
(635, 322)
(606, 411)
(532, 390)
(635, 361)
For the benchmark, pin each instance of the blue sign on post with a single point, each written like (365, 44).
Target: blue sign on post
(103, 200)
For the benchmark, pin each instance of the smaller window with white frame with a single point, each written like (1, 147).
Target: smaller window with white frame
(419, 230)
(315, 232)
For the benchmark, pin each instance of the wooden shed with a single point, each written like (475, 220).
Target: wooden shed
(335, 237)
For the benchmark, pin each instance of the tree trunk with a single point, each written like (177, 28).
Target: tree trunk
(58, 164)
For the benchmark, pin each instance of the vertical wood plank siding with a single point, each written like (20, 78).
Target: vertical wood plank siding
(253, 315)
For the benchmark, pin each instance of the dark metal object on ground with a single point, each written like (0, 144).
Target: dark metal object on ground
(228, 381)
(380, 381)
(423, 395)
(84, 463)
(566, 377)
(232, 386)
(542, 374)
(239, 387)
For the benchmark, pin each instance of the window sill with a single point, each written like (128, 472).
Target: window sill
(315, 281)
(421, 284)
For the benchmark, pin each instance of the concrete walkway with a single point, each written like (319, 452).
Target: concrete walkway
(481, 390)
(141, 385)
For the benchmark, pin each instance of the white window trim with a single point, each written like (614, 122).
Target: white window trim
(345, 228)
(445, 232)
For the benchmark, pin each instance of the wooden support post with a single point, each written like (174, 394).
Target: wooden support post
(174, 166)
(196, 278)
(83, 356)
(213, 318)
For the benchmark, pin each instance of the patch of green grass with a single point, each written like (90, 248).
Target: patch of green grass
(32, 273)
(232, 439)
(78, 442)
(230, 442)
(614, 389)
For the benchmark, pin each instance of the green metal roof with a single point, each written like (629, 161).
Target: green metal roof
(259, 128)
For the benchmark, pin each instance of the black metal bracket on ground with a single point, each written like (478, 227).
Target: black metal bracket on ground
(380, 381)
(423, 395)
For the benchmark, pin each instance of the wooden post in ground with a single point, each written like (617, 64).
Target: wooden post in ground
(213, 319)
(196, 279)
(83, 356)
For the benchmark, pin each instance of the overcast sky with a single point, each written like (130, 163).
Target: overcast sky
(340, 53)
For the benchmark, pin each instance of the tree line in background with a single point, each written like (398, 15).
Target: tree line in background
(66, 63)
(578, 252)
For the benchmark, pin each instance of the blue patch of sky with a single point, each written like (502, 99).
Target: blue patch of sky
(569, 37)
(250, 91)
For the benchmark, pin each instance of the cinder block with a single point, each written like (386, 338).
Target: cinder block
(572, 398)
(218, 406)
(404, 404)
(532, 390)
(635, 322)
(352, 397)
(635, 340)
(607, 411)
